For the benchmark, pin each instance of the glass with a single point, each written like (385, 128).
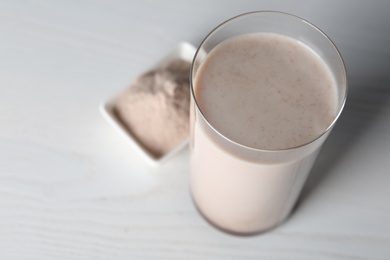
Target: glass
(240, 189)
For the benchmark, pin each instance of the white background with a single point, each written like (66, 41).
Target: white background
(71, 188)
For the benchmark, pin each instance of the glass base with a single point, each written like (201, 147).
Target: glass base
(234, 232)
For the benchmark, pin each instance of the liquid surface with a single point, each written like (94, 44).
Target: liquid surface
(266, 91)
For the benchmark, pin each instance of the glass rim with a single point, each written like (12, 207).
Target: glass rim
(232, 19)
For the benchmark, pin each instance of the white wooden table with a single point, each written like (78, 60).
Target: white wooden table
(71, 188)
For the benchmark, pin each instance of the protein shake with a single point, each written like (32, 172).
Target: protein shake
(263, 101)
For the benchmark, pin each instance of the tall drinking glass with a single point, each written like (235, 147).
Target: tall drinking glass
(242, 188)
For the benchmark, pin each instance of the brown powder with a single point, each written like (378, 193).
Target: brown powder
(155, 108)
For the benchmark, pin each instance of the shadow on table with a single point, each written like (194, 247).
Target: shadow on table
(366, 101)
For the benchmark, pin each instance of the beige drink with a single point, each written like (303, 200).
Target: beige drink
(264, 105)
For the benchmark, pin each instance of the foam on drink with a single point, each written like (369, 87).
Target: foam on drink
(266, 91)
